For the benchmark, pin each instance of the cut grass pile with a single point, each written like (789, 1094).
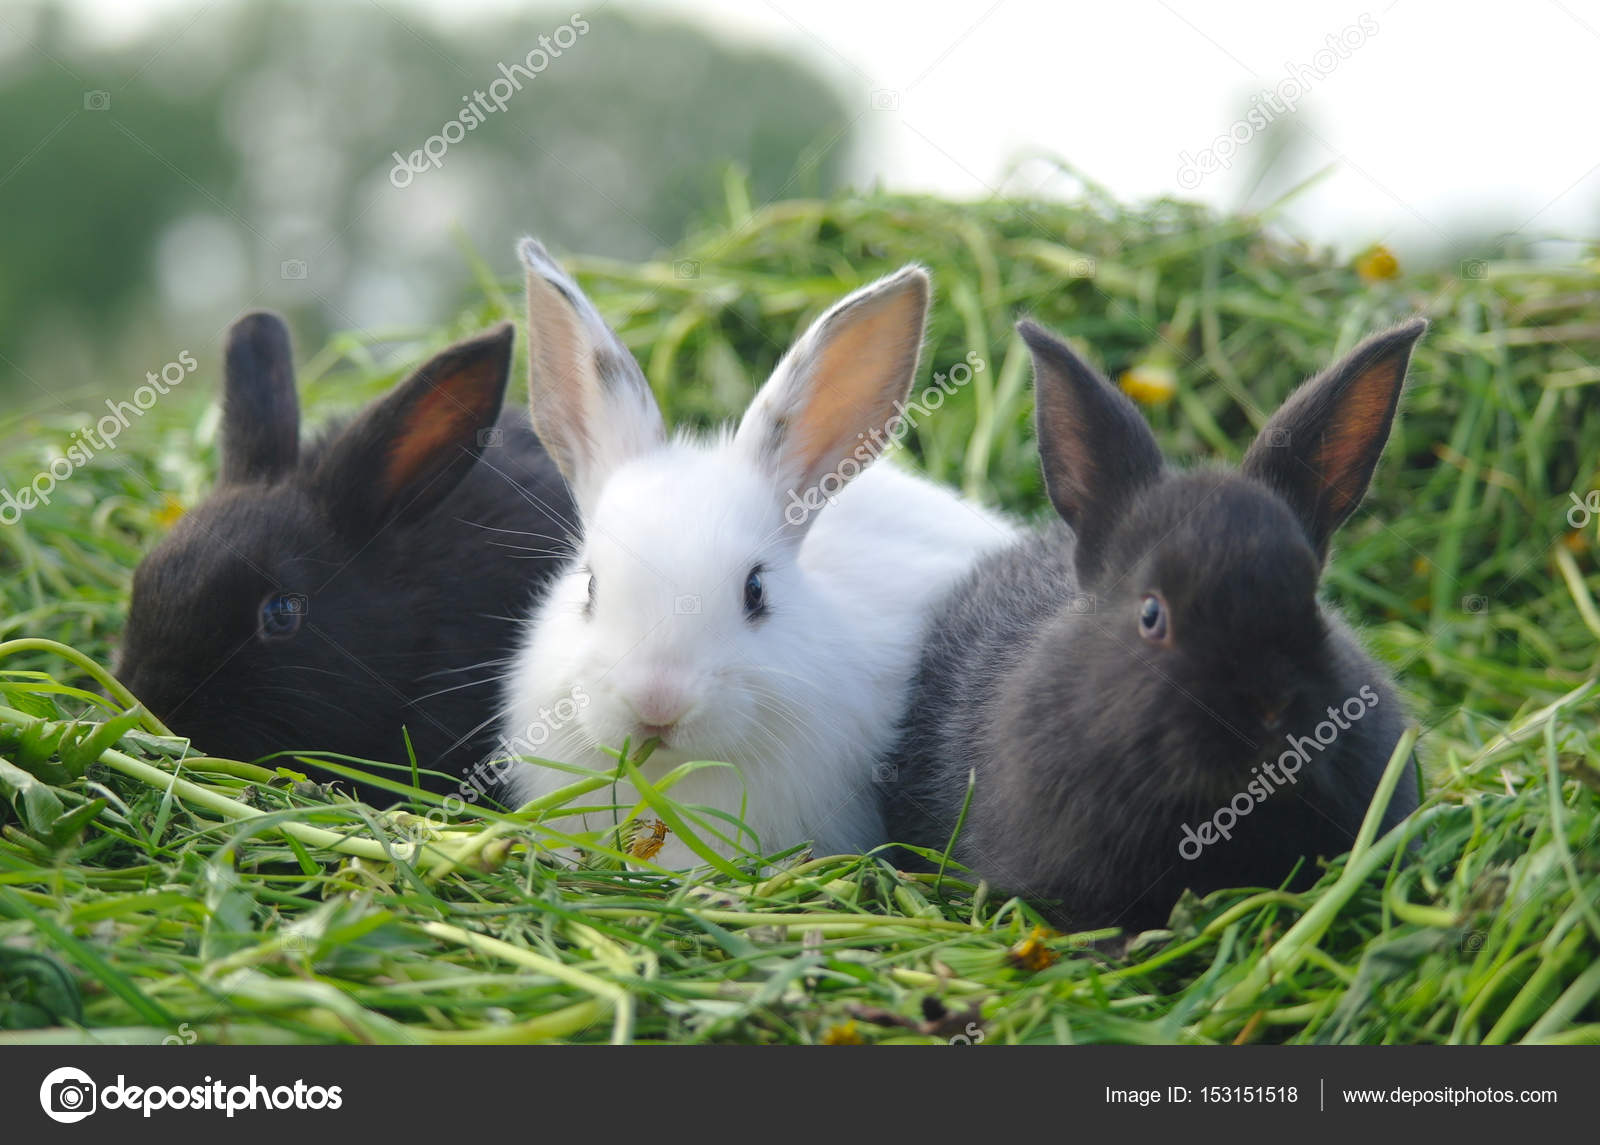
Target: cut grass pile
(149, 895)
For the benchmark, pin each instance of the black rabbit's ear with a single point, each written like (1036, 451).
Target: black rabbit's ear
(401, 457)
(1319, 450)
(260, 413)
(1096, 451)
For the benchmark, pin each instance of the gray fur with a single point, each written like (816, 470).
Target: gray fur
(1092, 746)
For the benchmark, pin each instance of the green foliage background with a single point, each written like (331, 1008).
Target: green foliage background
(166, 180)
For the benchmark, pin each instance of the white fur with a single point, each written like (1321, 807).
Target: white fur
(804, 700)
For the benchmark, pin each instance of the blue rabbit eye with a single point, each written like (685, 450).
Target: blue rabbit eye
(755, 594)
(1153, 619)
(281, 615)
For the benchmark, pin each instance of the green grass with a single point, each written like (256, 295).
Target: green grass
(147, 896)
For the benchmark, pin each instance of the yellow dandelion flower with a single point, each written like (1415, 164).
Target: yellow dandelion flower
(844, 1034)
(1377, 264)
(1150, 383)
(647, 843)
(171, 509)
(1032, 953)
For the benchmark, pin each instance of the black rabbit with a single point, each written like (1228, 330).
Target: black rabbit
(1152, 697)
(325, 599)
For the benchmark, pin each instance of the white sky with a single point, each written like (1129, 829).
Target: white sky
(1446, 115)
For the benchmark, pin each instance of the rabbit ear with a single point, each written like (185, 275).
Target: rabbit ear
(591, 403)
(1095, 449)
(1319, 450)
(401, 457)
(830, 404)
(260, 413)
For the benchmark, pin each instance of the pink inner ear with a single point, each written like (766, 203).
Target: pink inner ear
(1345, 452)
(436, 423)
(857, 373)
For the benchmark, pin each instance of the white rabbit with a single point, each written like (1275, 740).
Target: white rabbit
(706, 606)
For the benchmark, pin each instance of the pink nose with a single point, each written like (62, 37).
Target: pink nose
(658, 709)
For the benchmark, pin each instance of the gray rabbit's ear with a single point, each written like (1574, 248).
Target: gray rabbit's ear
(1096, 451)
(405, 454)
(1319, 450)
(591, 404)
(260, 412)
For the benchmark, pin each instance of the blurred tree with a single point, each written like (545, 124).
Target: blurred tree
(246, 155)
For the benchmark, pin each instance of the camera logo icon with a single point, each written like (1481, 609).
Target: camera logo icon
(686, 268)
(686, 605)
(885, 99)
(68, 1095)
(490, 437)
(97, 101)
(292, 268)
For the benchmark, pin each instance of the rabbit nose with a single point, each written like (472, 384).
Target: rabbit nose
(1272, 709)
(659, 709)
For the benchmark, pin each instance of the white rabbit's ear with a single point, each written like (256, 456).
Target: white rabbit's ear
(592, 406)
(830, 406)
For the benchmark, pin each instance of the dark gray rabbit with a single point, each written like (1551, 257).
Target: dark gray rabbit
(1152, 697)
(327, 598)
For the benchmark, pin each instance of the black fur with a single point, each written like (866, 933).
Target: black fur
(261, 418)
(1093, 747)
(414, 565)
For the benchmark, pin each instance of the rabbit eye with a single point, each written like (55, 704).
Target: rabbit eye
(1153, 619)
(280, 616)
(755, 594)
(589, 607)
